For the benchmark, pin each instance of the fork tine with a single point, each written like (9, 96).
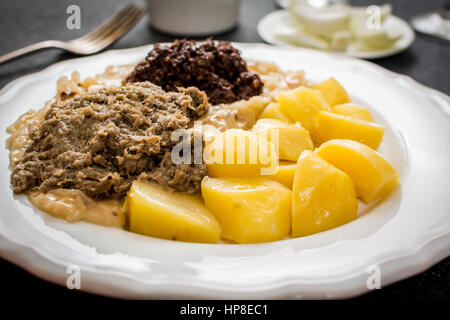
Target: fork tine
(113, 34)
(107, 24)
(132, 15)
(110, 29)
(119, 31)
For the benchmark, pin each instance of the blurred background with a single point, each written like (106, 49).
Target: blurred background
(23, 22)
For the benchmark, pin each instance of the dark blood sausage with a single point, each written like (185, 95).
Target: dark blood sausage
(100, 141)
(214, 67)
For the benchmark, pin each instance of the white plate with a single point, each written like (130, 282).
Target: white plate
(272, 23)
(403, 235)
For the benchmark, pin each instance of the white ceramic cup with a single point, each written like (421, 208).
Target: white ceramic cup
(193, 17)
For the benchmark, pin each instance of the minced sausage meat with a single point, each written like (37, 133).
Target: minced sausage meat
(101, 140)
(214, 67)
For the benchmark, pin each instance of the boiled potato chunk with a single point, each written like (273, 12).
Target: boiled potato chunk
(373, 176)
(249, 210)
(336, 126)
(353, 111)
(292, 139)
(285, 173)
(323, 197)
(333, 92)
(302, 105)
(156, 212)
(239, 153)
(273, 111)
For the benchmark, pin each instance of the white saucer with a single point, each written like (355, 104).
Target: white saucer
(272, 23)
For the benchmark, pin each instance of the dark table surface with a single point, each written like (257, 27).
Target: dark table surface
(23, 22)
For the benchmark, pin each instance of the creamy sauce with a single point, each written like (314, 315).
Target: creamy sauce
(74, 205)
(276, 80)
(19, 138)
(238, 115)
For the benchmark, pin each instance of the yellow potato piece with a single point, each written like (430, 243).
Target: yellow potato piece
(249, 210)
(273, 111)
(302, 105)
(170, 215)
(323, 197)
(285, 173)
(353, 111)
(239, 153)
(335, 126)
(291, 139)
(333, 92)
(374, 177)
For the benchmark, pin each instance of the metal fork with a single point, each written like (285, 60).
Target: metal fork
(93, 42)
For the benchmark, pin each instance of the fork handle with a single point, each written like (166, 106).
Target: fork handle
(29, 49)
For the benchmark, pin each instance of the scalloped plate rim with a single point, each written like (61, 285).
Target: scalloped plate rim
(33, 258)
